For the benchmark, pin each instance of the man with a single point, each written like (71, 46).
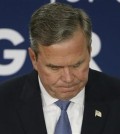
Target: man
(60, 53)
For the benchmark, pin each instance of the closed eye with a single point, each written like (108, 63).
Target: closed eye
(78, 64)
(53, 67)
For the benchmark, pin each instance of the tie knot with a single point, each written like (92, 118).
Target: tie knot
(62, 104)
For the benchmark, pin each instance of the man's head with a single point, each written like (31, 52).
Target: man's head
(57, 22)
(60, 49)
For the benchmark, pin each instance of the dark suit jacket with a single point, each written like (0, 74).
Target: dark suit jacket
(21, 107)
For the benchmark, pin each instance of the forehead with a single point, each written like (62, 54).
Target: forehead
(65, 52)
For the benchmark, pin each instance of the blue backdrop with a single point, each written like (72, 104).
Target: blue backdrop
(14, 34)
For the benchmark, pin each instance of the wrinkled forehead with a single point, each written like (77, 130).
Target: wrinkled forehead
(69, 51)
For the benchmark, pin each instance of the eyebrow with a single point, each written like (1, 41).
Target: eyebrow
(51, 65)
(57, 66)
(78, 63)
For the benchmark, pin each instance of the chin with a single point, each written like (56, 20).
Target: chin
(67, 96)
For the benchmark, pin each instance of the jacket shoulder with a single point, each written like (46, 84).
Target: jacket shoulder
(12, 88)
(103, 87)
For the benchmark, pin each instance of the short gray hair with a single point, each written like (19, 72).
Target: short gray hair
(56, 22)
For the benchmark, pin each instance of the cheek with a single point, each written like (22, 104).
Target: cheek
(47, 76)
(82, 73)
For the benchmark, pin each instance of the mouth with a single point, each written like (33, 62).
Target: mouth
(66, 89)
(69, 85)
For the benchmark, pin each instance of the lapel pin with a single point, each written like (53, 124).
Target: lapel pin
(98, 113)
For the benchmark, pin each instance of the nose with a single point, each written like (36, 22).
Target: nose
(67, 75)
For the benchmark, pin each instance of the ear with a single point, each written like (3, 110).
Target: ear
(90, 51)
(33, 58)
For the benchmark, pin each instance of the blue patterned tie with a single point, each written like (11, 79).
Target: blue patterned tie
(63, 124)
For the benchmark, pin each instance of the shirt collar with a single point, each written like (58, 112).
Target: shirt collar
(48, 99)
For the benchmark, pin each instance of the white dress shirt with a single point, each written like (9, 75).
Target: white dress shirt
(52, 111)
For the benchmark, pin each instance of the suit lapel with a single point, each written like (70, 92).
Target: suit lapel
(95, 116)
(96, 111)
(29, 107)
